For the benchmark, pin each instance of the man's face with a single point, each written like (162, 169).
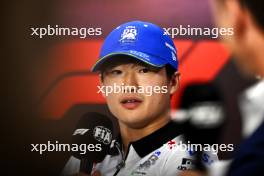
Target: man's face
(231, 14)
(133, 107)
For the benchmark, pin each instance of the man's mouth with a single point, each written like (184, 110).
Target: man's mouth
(131, 102)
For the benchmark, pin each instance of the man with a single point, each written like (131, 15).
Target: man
(246, 17)
(142, 61)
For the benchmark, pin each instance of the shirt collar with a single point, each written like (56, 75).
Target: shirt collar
(155, 140)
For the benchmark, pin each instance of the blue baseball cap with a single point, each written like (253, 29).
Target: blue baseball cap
(140, 40)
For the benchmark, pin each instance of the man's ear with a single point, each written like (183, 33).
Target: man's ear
(238, 19)
(174, 82)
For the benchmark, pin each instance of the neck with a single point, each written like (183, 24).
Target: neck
(260, 61)
(256, 55)
(130, 134)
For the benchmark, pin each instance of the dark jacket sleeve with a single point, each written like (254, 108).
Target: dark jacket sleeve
(249, 160)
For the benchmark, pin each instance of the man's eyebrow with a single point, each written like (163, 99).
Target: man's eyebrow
(110, 67)
(134, 65)
(150, 67)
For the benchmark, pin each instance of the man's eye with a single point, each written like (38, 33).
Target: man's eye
(116, 72)
(144, 70)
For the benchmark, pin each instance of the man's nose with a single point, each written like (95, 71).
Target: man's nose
(130, 81)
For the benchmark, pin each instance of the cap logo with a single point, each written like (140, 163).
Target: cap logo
(170, 47)
(129, 34)
(173, 56)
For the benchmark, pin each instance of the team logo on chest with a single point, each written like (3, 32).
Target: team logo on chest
(143, 167)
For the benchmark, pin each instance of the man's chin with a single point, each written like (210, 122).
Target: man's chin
(134, 123)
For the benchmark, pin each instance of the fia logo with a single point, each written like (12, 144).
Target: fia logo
(102, 134)
(129, 34)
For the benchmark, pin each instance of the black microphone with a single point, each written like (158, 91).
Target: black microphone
(202, 107)
(94, 131)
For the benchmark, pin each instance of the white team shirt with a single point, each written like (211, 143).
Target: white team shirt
(157, 154)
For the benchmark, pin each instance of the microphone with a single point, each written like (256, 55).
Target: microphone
(202, 111)
(94, 131)
(205, 108)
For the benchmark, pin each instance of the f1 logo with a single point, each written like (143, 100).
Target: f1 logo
(80, 131)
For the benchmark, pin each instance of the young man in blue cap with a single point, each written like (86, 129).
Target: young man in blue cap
(142, 61)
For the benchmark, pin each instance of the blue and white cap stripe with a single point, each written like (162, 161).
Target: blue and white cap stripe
(140, 40)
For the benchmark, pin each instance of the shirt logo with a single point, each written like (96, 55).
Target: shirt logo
(171, 144)
(140, 170)
(186, 164)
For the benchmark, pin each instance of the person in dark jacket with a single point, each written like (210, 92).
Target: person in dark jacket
(246, 17)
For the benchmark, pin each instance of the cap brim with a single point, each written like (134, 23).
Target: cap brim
(153, 61)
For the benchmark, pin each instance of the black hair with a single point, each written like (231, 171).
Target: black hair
(169, 71)
(124, 59)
